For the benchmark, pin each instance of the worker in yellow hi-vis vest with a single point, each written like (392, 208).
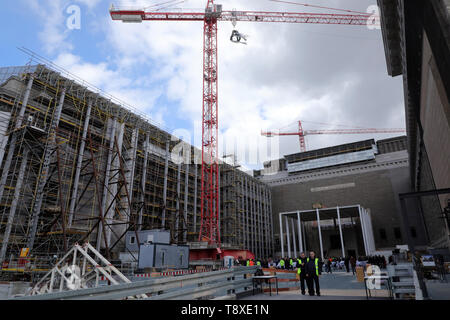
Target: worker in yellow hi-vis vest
(282, 263)
(313, 270)
(301, 262)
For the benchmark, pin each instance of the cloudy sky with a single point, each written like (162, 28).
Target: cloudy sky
(335, 75)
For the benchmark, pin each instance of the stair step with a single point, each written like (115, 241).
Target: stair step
(403, 274)
(403, 284)
(404, 290)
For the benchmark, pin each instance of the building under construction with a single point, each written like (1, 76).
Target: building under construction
(79, 165)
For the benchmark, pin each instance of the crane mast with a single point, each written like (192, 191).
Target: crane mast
(209, 228)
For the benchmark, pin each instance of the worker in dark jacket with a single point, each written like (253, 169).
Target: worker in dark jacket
(301, 262)
(313, 270)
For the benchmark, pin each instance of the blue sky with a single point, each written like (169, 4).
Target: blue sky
(321, 73)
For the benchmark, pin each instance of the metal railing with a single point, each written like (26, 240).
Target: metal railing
(206, 285)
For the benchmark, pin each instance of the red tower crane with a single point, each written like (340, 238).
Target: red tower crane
(303, 133)
(213, 13)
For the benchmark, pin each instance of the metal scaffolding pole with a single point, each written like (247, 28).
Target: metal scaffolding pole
(247, 226)
(42, 181)
(166, 172)
(272, 239)
(252, 212)
(132, 167)
(177, 205)
(195, 197)
(259, 219)
(340, 232)
(15, 201)
(13, 140)
(73, 199)
(268, 225)
(144, 180)
(242, 206)
(113, 125)
(320, 234)
(186, 192)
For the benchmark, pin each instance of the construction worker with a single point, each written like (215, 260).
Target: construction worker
(291, 264)
(248, 263)
(258, 263)
(282, 263)
(313, 271)
(301, 262)
(252, 263)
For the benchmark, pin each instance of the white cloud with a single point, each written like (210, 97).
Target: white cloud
(285, 73)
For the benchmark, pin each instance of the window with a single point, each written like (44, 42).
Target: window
(413, 232)
(397, 233)
(383, 235)
(132, 240)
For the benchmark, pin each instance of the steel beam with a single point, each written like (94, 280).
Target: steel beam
(112, 125)
(73, 199)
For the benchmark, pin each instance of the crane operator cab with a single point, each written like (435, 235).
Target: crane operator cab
(236, 37)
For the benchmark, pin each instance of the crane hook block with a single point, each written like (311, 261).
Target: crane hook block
(236, 37)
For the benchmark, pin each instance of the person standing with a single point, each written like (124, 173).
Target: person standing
(301, 262)
(353, 264)
(329, 266)
(312, 274)
(347, 264)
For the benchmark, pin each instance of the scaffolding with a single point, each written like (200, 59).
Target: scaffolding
(78, 165)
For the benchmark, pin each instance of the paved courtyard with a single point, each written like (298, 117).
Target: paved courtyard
(335, 286)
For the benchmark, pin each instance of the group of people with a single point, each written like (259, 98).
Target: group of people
(308, 268)
(334, 263)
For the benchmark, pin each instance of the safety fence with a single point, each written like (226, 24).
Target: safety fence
(207, 285)
(167, 273)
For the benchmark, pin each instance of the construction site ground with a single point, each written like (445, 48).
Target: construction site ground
(334, 286)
